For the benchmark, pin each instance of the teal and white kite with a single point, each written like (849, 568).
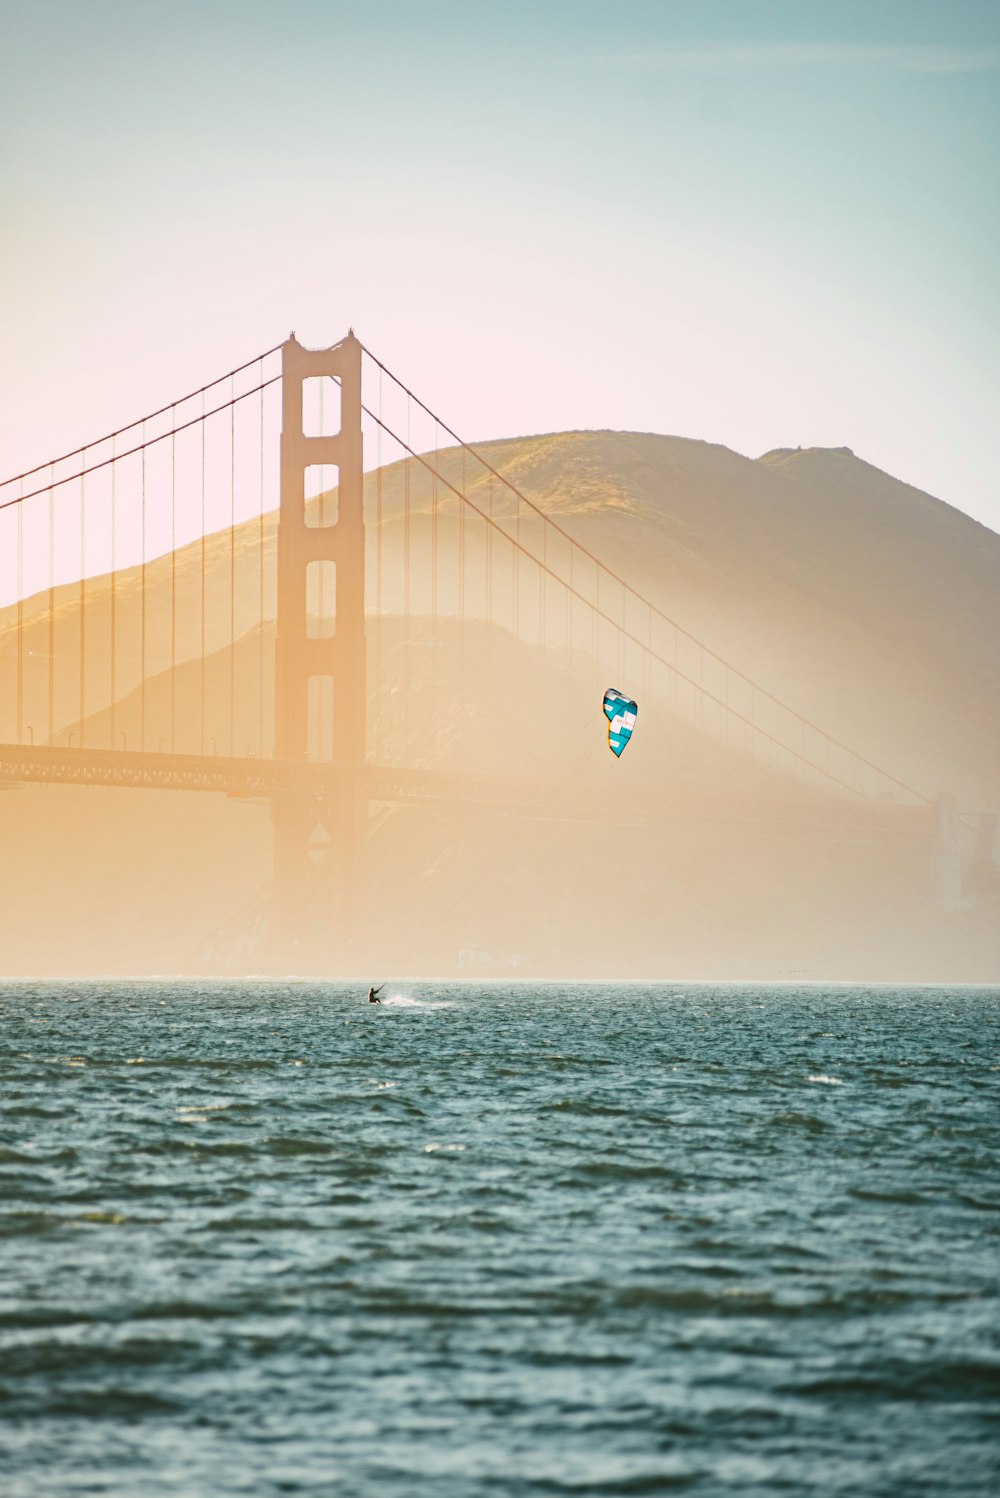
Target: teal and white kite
(620, 712)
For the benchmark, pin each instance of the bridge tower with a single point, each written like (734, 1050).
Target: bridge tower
(319, 839)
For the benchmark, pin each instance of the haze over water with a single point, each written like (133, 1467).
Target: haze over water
(263, 1238)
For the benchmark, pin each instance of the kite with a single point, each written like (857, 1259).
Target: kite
(620, 712)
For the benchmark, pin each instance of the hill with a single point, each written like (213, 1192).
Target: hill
(868, 606)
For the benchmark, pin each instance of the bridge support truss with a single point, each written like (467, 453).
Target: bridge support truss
(319, 837)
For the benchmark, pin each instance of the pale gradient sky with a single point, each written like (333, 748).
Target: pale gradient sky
(763, 224)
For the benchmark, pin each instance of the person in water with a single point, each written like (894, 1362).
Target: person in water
(372, 992)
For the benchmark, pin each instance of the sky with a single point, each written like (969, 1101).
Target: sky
(761, 224)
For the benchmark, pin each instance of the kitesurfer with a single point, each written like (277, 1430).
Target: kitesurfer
(373, 994)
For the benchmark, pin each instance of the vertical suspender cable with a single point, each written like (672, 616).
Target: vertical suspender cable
(489, 587)
(434, 540)
(83, 600)
(461, 580)
(260, 576)
(173, 583)
(621, 642)
(232, 568)
(515, 584)
(378, 563)
(672, 688)
(20, 612)
(727, 719)
(543, 592)
(142, 601)
(595, 626)
(570, 610)
(52, 609)
(647, 668)
(407, 635)
(201, 652)
(406, 530)
(435, 670)
(320, 572)
(114, 588)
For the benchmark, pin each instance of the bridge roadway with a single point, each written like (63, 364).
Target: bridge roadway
(594, 799)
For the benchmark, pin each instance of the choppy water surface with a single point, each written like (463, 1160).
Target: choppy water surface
(264, 1239)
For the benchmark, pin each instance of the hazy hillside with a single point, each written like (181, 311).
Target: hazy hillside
(867, 605)
(862, 602)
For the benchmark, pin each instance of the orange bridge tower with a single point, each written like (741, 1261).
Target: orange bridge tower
(320, 677)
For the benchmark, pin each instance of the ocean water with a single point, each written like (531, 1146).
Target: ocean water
(264, 1238)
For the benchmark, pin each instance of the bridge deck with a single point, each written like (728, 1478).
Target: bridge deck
(550, 798)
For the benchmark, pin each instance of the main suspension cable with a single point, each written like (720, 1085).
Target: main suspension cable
(599, 613)
(141, 447)
(141, 421)
(647, 603)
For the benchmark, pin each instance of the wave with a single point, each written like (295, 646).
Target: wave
(405, 1001)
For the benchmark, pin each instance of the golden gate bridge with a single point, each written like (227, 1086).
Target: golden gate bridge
(220, 597)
